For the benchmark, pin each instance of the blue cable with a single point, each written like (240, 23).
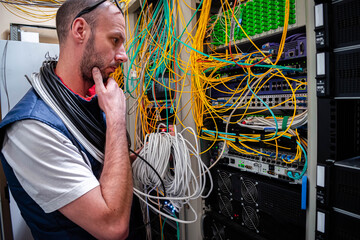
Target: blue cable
(268, 108)
(297, 175)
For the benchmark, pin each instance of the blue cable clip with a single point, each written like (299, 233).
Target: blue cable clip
(303, 192)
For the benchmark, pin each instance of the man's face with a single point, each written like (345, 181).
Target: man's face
(90, 59)
(104, 48)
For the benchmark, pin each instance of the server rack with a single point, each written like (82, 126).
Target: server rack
(337, 76)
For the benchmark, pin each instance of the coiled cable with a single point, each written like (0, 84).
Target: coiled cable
(170, 155)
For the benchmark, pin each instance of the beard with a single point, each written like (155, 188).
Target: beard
(90, 59)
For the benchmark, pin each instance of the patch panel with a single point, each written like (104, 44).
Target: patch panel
(271, 158)
(272, 86)
(256, 17)
(270, 100)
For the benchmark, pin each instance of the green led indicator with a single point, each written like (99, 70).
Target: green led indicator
(242, 165)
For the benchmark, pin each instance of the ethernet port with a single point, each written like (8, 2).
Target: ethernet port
(291, 54)
(302, 48)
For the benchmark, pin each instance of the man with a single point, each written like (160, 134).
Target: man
(63, 192)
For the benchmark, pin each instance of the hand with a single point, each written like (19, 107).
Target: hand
(111, 98)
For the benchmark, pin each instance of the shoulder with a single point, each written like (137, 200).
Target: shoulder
(31, 106)
(35, 130)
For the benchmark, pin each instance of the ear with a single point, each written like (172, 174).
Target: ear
(80, 29)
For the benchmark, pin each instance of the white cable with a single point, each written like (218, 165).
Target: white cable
(170, 216)
(170, 155)
(260, 123)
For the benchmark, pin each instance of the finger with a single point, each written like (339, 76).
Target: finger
(98, 78)
(111, 82)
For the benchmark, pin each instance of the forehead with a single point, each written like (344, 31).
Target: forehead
(110, 19)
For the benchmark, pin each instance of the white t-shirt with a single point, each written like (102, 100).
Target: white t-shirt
(47, 164)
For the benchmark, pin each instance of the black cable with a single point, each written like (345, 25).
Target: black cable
(4, 59)
(79, 115)
(145, 224)
(162, 183)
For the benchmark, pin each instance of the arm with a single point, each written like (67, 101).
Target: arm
(105, 211)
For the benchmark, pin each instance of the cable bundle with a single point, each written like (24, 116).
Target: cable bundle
(170, 156)
(33, 10)
(263, 123)
(82, 123)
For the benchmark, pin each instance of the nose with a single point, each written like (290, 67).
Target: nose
(120, 55)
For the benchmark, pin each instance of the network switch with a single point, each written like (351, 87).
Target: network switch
(272, 86)
(280, 101)
(268, 164)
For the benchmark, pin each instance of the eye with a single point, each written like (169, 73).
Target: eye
(116, 40)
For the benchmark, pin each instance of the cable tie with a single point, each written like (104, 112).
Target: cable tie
(284, 123)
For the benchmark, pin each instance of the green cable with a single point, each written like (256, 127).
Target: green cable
(212, 131)
(162, 229)
(177, 42)
(138, 49)
(225, 138)
(297, 175)
(177, 228)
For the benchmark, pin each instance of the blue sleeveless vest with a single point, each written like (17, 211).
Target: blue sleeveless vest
(50, 226)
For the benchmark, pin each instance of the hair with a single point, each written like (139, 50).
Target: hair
(66, 13)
